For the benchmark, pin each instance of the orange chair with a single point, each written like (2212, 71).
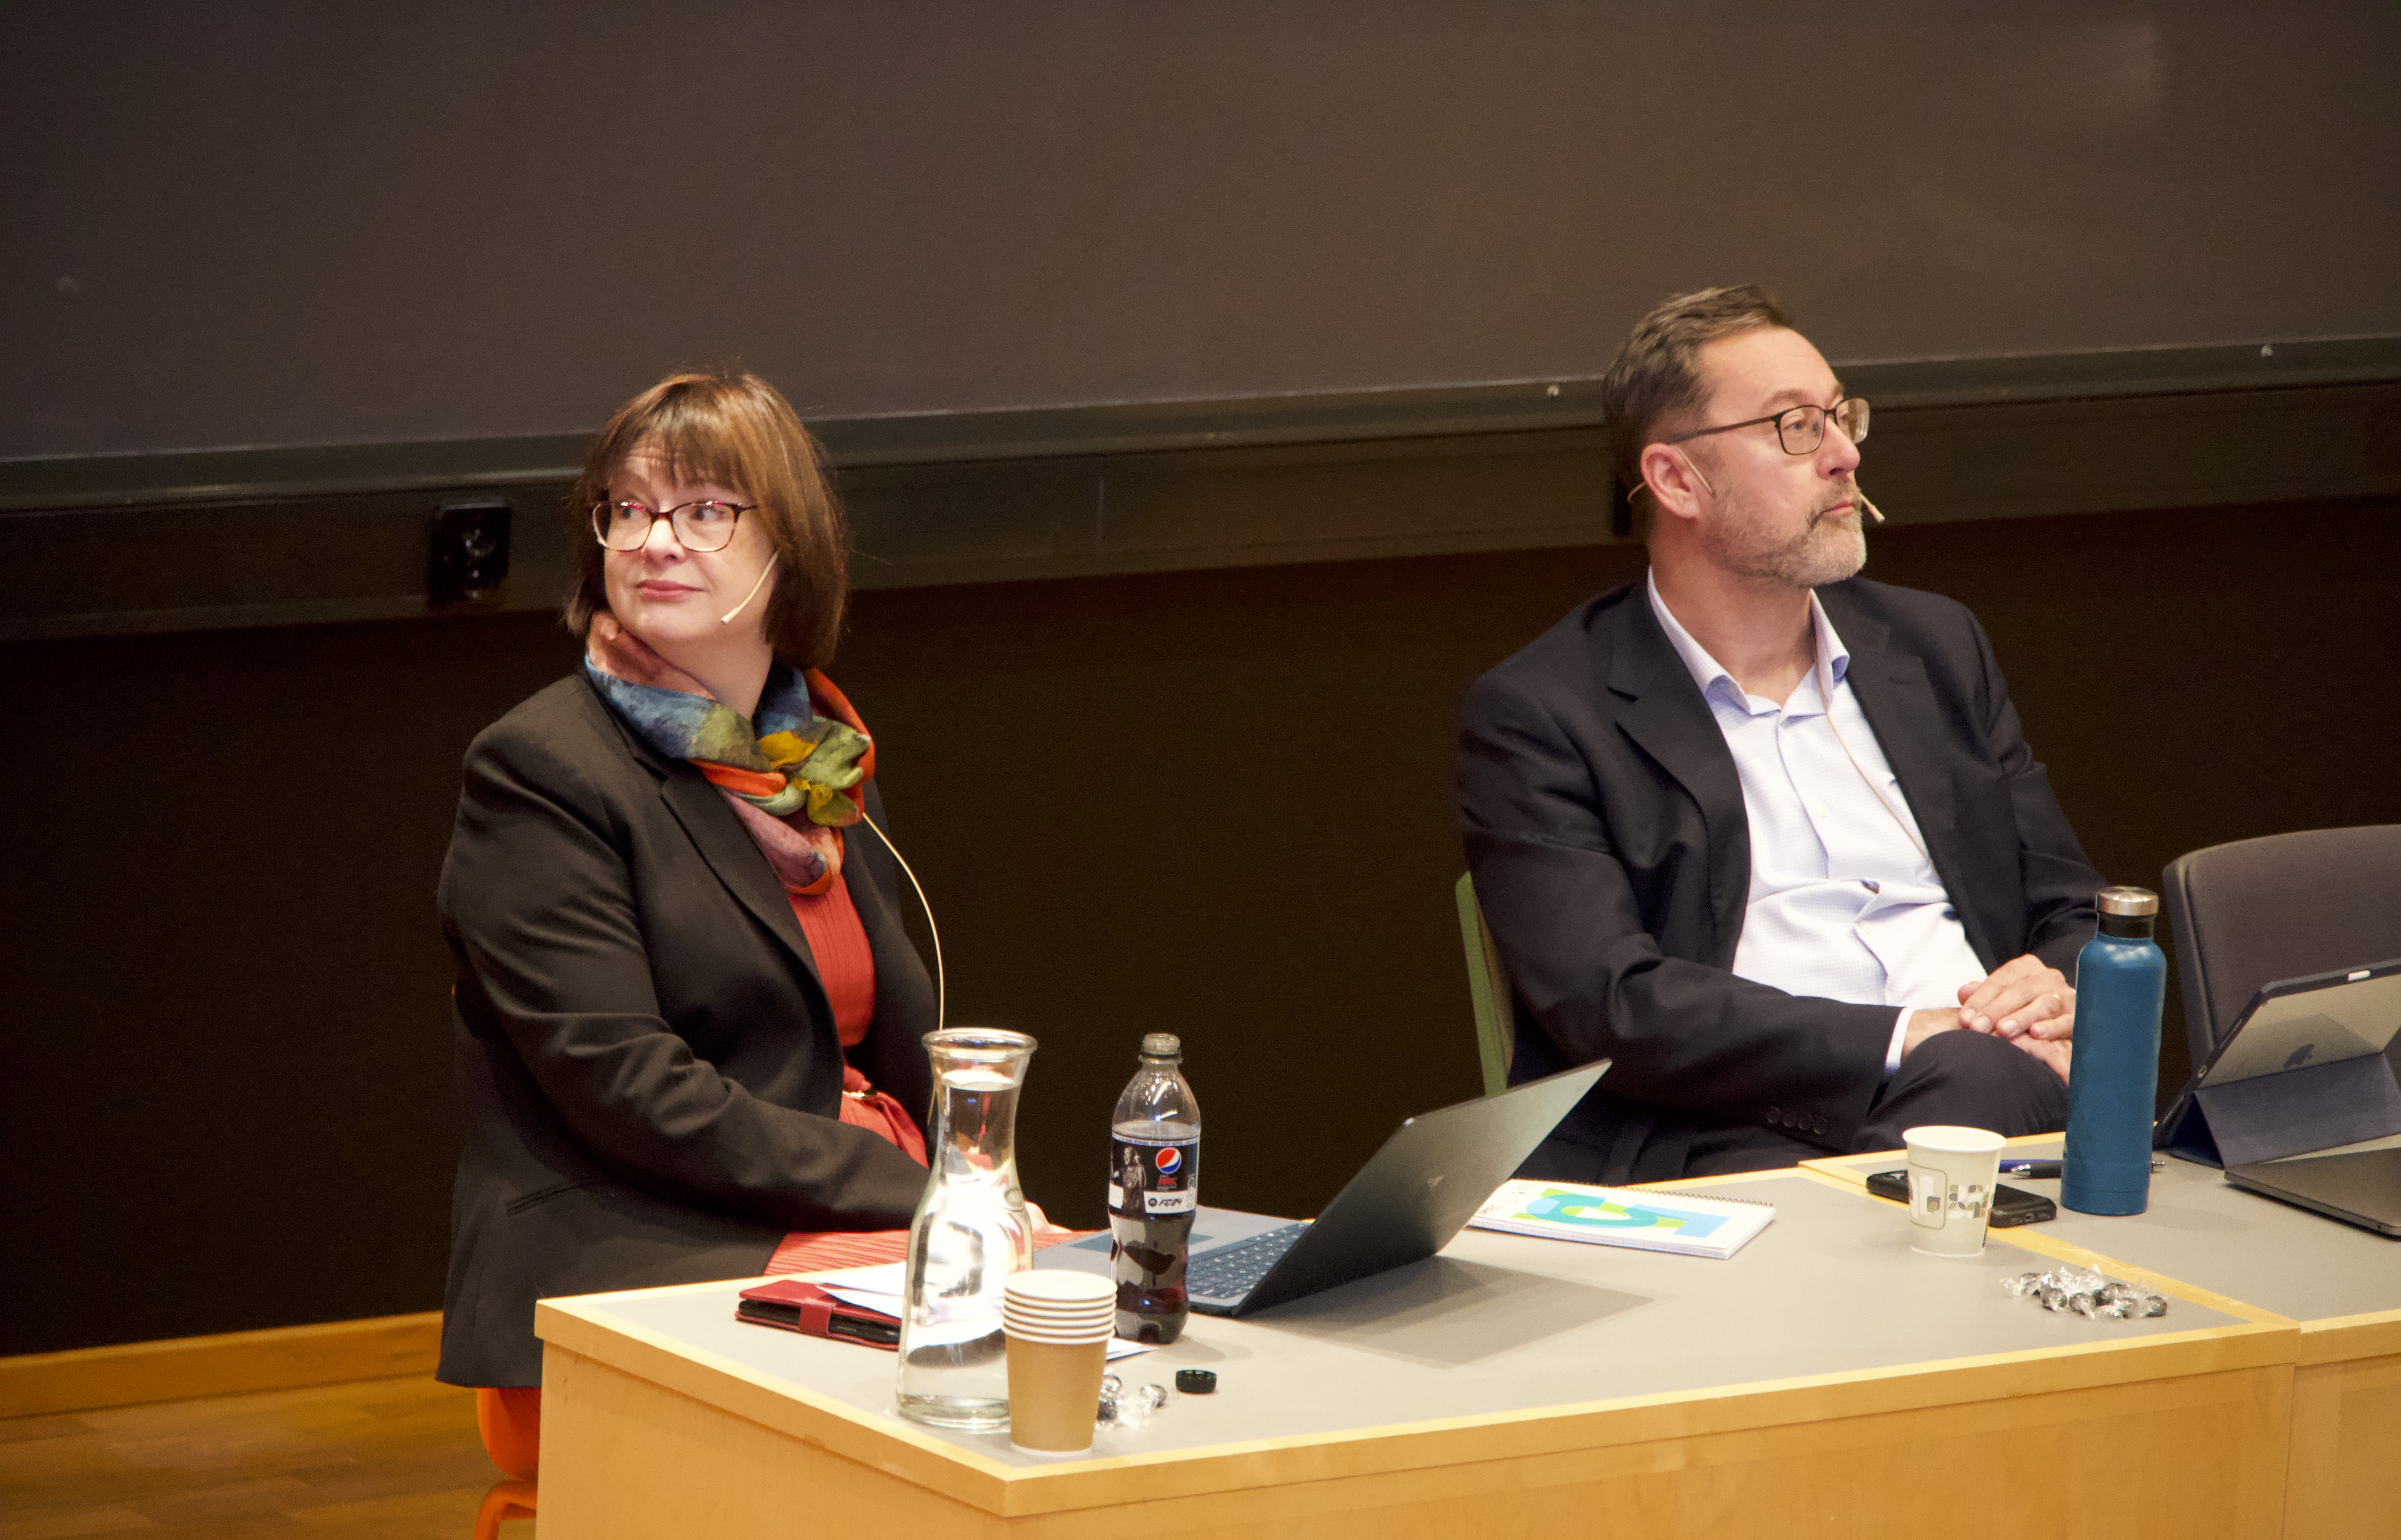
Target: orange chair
(509, 1420)
(507, 1500)
(510, 1417)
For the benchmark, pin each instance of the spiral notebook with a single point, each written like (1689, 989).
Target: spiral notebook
(1685, 1223)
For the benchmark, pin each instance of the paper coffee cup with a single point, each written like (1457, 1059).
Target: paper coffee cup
(1057, 1288)
(1054, 1393)
(1058, 1327)
(1079, 1323)
(1037, 1312)
(1952, 1172)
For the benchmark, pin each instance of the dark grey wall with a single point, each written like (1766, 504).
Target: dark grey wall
(279, 223)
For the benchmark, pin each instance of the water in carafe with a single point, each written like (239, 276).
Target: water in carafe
(970, 1232)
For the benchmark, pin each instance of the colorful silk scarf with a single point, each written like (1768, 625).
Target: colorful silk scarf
(796, 779)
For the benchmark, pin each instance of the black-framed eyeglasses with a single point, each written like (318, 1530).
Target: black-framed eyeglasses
(1801, 428)
(704, 525)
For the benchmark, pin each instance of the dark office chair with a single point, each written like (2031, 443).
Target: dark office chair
(2257, 911)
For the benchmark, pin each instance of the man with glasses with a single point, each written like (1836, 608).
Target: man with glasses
(1763, 832)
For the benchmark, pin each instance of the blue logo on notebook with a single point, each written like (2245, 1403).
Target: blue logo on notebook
(1575, 1208)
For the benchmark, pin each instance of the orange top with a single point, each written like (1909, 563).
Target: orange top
(844, 965)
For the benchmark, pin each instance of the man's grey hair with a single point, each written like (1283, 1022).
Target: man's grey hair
(1654, 374)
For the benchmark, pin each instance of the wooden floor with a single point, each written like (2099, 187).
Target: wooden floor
(377, 1459)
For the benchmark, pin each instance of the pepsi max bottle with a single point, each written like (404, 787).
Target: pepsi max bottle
(1154, 1190)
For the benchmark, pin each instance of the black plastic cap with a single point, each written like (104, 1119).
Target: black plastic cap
(1196, 1382)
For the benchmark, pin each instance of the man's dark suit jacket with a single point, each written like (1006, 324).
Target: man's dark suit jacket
(1604, 825)
(647, 1062)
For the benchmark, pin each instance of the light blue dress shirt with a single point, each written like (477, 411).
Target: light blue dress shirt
(1844, 902)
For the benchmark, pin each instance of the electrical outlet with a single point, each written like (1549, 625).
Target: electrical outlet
(470, 552)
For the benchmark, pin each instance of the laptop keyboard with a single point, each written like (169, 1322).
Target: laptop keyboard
(1231, 1274)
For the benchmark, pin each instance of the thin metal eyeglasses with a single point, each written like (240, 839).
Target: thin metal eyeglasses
(699, 526)
(1801, 428)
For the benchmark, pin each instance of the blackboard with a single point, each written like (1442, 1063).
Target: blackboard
(250, 225)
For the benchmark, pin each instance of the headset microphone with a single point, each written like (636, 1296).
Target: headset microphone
(942, 980)
(727, 619)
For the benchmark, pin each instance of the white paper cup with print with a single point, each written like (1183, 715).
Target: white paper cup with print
(1953, 1173)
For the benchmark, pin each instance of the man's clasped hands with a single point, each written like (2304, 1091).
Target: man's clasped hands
(2024, 999)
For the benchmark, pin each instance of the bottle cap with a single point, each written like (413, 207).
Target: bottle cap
(1161, 1046)
(1196, 1382)
(2128, 901)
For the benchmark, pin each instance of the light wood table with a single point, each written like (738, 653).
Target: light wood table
(2338, 1284)
(1827, 1381)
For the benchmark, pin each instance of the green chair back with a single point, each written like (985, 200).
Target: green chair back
(1496, 1028)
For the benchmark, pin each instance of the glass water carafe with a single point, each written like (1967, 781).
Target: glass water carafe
(971, 1232)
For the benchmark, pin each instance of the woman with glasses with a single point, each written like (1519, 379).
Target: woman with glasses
(687, 1017)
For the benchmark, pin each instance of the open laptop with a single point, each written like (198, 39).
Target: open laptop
(1406, 1204)
(2361, 1187)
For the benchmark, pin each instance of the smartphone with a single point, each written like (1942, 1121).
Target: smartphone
(2010, 1204)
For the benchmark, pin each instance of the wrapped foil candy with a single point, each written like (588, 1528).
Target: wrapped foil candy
(2083, 1291)
(1128, 1408)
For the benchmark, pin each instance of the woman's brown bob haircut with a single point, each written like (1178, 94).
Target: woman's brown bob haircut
(735, 431)
(1655, 374)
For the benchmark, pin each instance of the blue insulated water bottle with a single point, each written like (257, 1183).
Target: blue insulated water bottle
(2113, 1075)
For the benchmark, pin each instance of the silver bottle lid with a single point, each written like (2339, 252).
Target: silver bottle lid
(1161, 1046)
(2128, 901)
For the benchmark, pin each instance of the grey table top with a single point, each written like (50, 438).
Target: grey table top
(2201, 1231)
(1506, 1323)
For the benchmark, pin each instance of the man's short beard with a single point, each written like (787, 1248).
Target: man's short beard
(1822, 552)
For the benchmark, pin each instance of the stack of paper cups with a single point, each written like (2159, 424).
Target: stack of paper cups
(1058, 1326)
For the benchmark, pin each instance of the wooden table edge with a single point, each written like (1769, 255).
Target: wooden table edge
(587, 1327)
(2337, 1339)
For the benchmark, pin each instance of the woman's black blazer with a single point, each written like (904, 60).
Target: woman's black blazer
(648, 1069)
